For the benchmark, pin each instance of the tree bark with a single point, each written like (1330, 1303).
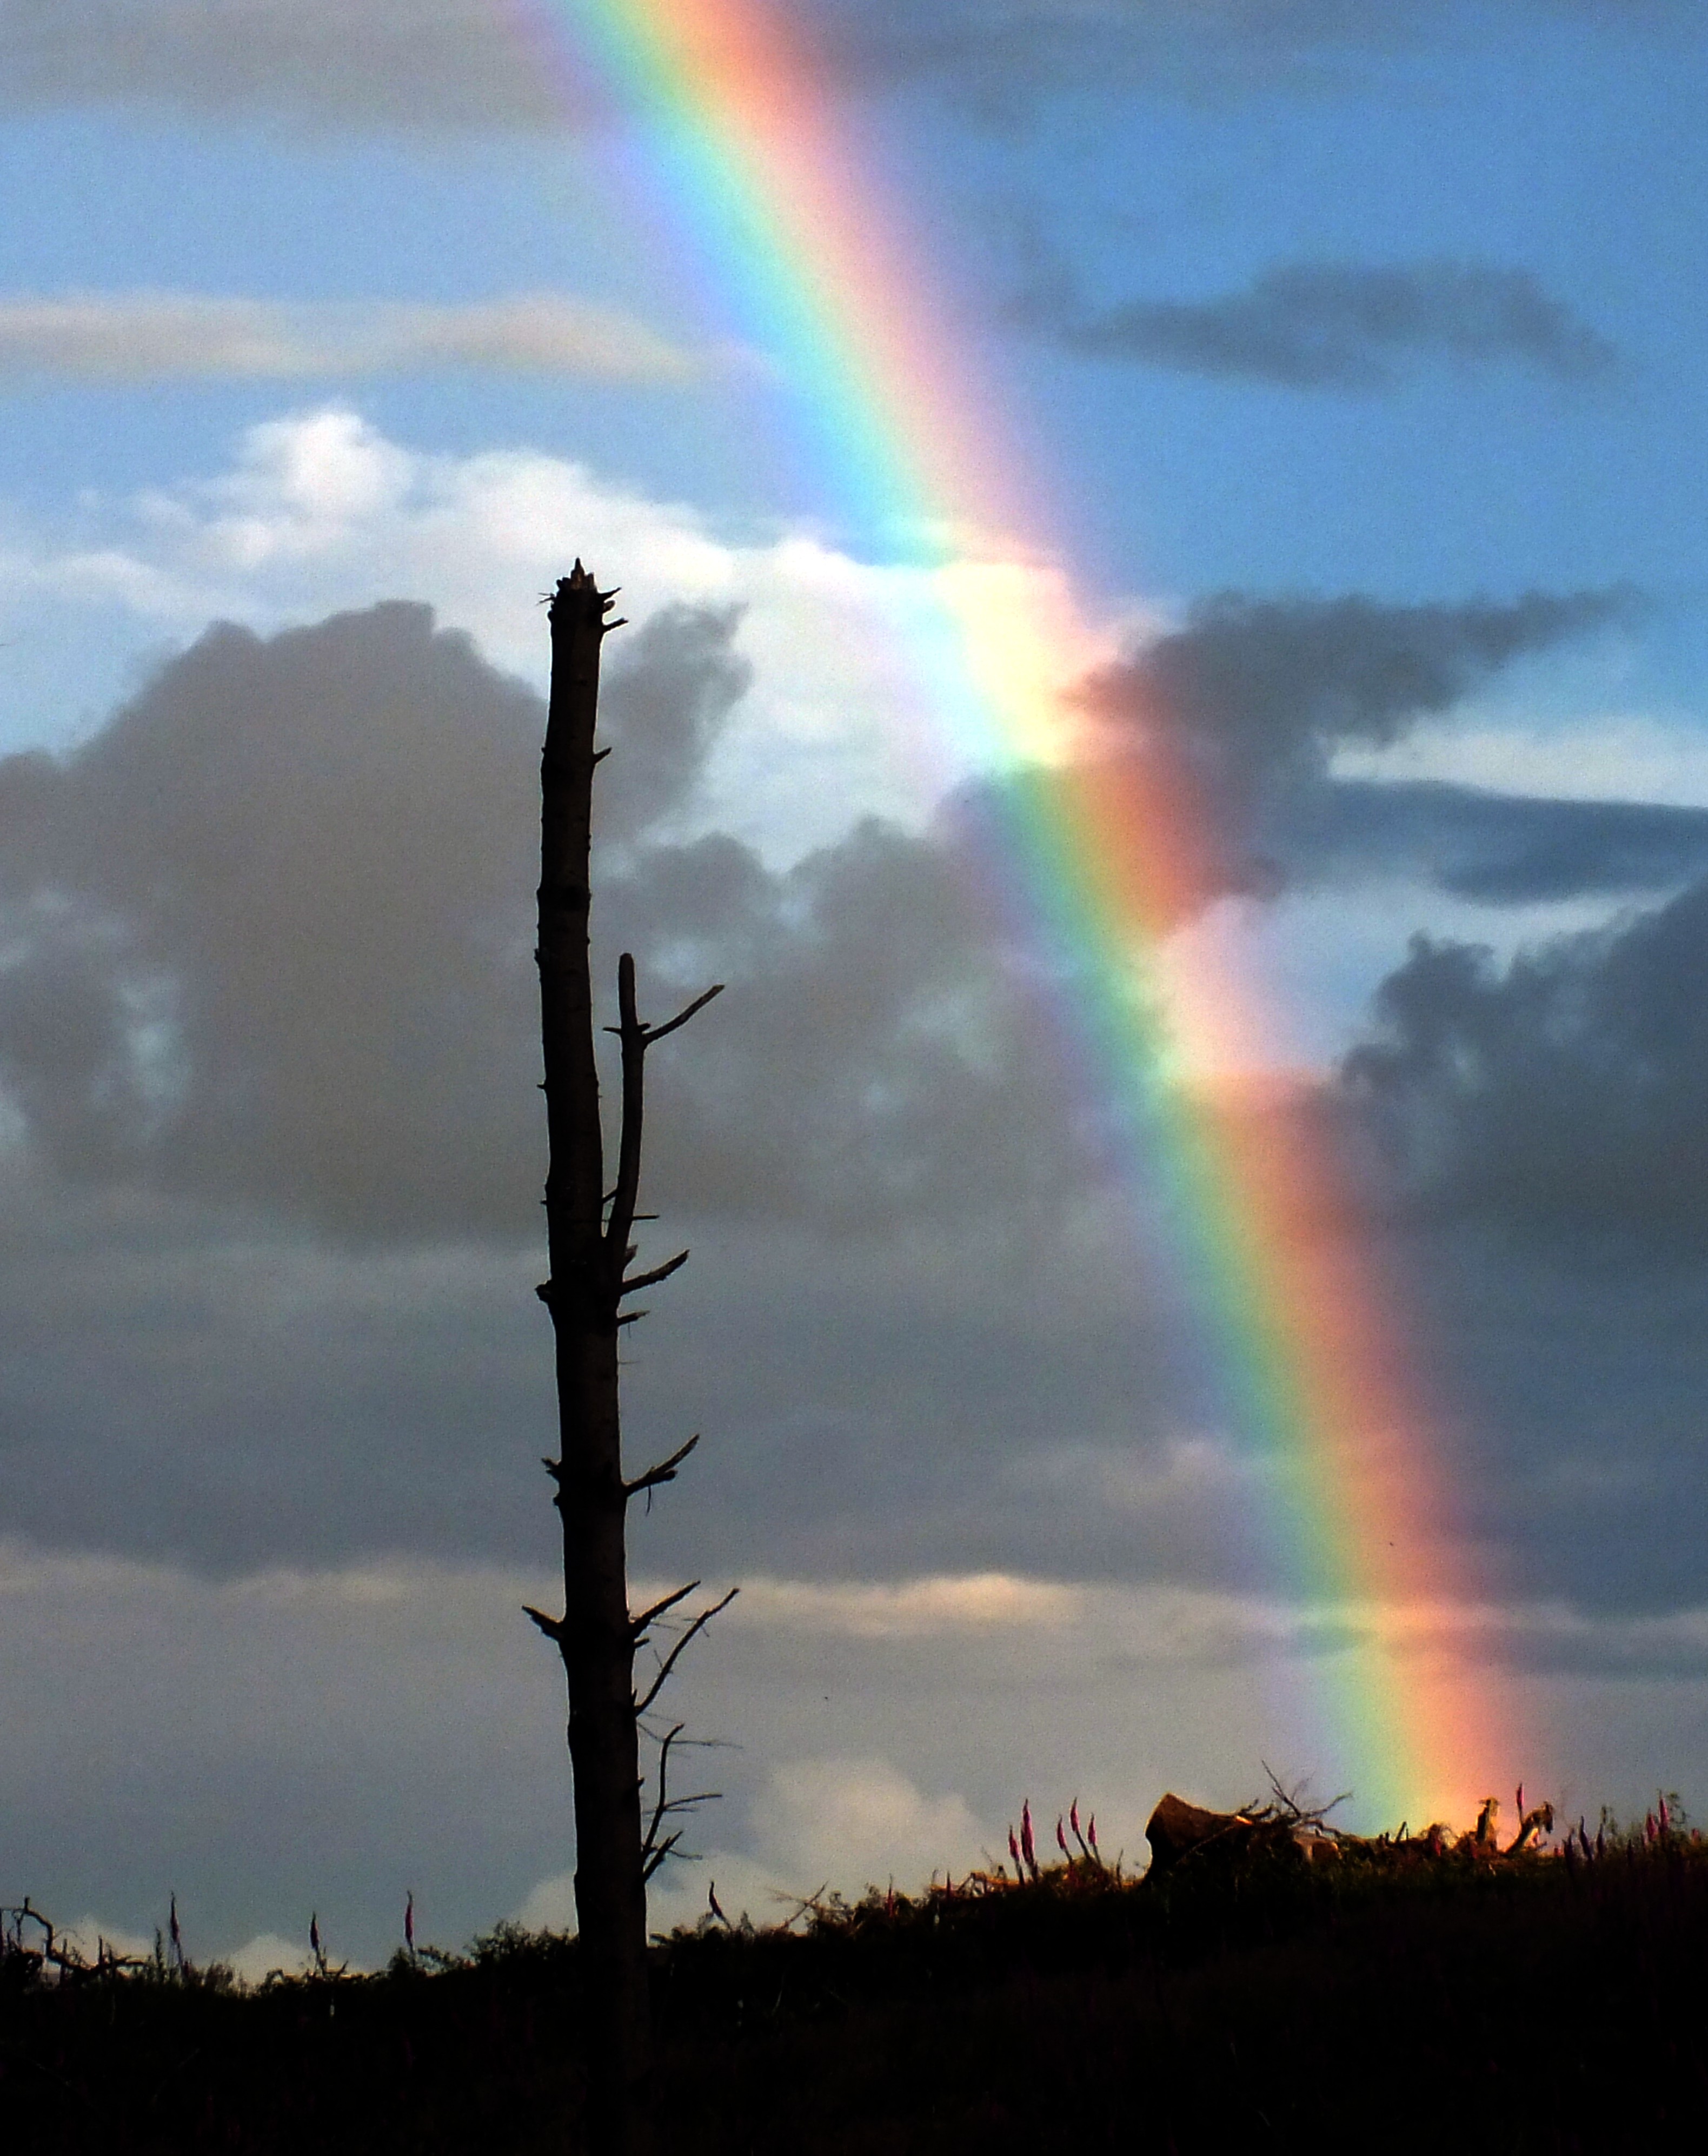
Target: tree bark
(594, 1636)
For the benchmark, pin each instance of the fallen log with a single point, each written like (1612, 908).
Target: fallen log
(1177, 1830)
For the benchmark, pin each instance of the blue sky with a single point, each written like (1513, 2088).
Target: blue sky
(1561, 146)
(1359, 354)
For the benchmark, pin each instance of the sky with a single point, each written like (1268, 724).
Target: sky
(1342, 364)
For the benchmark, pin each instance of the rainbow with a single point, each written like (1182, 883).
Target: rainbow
(741, 139)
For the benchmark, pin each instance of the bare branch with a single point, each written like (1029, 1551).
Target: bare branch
(675, 1655)
(636, 1039)
(626, 1191)
(653, 1851)
(650, 1841)
(653, 1032)
(665, 1848)
(638, 1625)
(636, 1282)
(552, 1627)
(665, 1471)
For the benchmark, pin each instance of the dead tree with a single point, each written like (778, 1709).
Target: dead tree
(620, 1841)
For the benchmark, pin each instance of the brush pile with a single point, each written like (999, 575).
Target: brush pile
(1283, 1829)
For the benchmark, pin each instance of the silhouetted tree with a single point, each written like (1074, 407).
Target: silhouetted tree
(620, 1842)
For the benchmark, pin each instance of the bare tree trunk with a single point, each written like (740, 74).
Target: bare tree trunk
(590, 1252)
(594, 1636)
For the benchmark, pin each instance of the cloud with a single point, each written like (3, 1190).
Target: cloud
(860, 1820)
(668, 698)
(270, 946)
(270, 928)
(441, 64)
(427, 1744)
(267, 1037)
(408, 64)
(1253, 707)
(1566, 1095)
(1500, 849)
(1596, 754)
(1274, 683)
(267, 1953)
(329, 1739)
(888, 1610)
(153, 336)
(1241, 709)
(272, 924)
(320, 511)
(1000, 54)
(1334, 326)
(818, 1826)
(189, 996)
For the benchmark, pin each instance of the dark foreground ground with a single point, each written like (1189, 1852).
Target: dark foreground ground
(1446, 2005)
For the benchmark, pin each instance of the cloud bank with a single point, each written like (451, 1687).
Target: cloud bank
(268, 1048)
(271, 1143)
(269, 931)
(269, 935)
(277, 916)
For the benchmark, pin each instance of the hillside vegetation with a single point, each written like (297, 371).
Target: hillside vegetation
(1253, 1994)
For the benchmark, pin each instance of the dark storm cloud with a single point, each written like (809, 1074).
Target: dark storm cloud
(461, 64)
(269, 931)
(664, 702)
(1262, 685)
(878, 1059)
(1244, 707)
(269, 943)
(1568, 1371)
(173, 1391)
(267, 1027)
(1565, 1094)
(269, 1036)
(1333, 326)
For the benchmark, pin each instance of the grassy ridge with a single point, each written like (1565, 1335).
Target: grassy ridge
(1377, 2003)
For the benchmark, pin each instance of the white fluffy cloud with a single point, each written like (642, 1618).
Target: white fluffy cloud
(320, 513)
(820, 1826)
